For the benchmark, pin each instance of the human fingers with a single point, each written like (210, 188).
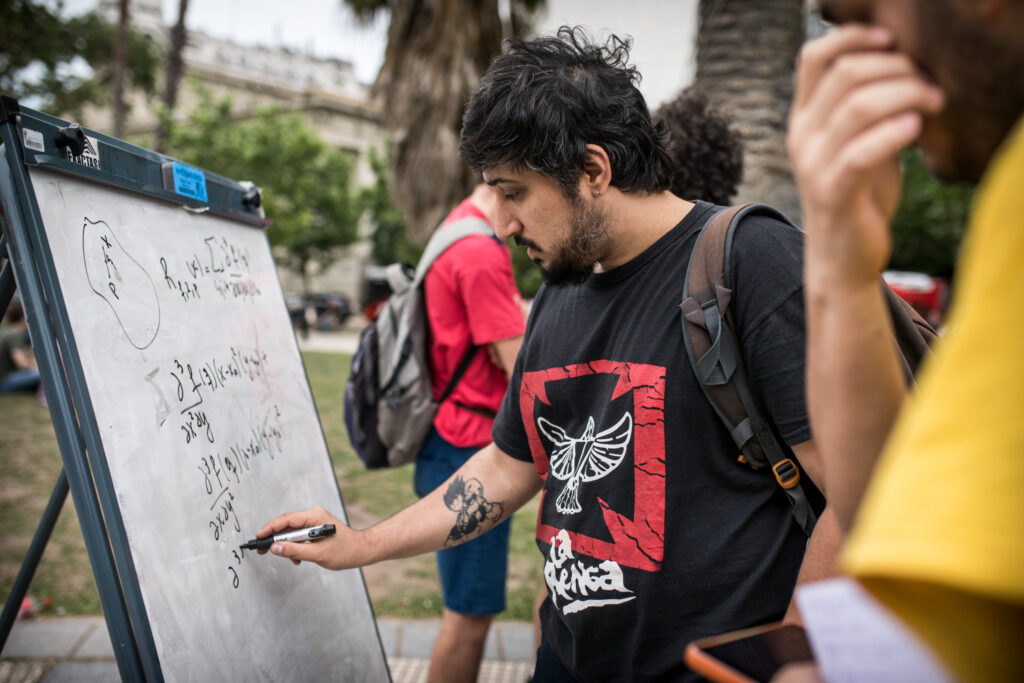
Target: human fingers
(340, 551)
(816, 55)
(849, 203)
(801, 672)
(861, 113)
(850, 73)
(296, 520)
(874, 105)
(839, 109)
(302, 552)
(857, 93)
(877, 146)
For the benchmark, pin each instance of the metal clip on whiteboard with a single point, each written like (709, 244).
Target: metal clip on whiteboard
(72, 137)
(253, 197)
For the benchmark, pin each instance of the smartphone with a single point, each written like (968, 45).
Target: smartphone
(751, 655)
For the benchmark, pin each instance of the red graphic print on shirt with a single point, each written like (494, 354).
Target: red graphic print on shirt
(637, 535)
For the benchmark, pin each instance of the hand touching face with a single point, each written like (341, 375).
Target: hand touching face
(858, 102)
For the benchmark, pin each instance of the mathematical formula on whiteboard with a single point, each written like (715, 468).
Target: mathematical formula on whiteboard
(209, 429)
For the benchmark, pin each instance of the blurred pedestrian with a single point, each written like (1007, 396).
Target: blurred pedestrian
(473, 307)
(706, 153)
(932, 500)
(18, 370)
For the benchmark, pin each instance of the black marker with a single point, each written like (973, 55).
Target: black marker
(313, 533)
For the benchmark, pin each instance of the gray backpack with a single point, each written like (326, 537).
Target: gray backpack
(389, 405)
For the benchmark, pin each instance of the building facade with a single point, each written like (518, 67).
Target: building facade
(324, 91)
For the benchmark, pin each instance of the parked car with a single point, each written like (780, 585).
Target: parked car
(332, 310)
(375, 291)
(296, 310)
(928, 295)
(323, 311)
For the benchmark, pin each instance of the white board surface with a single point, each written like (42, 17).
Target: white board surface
(209, 429)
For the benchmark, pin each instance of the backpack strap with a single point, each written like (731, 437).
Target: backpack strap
(714, 354)
(444, 237)
(914, 335)
(460, 370)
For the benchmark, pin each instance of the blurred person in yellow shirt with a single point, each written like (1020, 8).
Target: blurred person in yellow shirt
(933, 502)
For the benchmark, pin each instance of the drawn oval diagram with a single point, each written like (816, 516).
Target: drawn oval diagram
(118, 279)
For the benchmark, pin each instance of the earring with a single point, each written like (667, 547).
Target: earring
(597, 193)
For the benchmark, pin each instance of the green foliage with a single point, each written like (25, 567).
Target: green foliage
(306, 183)
(390, 242)
(39, 47)
(930, 221)
(527, 274)
(390, 239)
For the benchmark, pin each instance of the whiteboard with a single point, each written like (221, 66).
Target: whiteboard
(209, 430)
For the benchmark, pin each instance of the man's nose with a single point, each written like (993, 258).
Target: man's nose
(505, 224)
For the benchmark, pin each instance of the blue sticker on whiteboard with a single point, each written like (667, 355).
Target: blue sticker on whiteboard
(189, 181)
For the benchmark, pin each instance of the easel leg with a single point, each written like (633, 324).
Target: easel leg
(35, 553)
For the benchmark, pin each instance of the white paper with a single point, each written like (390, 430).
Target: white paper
(855, 639)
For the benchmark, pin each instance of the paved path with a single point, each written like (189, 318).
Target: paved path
(77, 649)
(342, 341)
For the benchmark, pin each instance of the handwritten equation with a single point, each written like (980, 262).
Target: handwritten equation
(192, 381)
(173, 331)
(221, 471)
(117, 278)
(187, 392)
(220, 263)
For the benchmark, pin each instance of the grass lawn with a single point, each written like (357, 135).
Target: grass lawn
(30, 463)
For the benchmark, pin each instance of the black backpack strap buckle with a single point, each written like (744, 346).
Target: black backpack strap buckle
(786, 473)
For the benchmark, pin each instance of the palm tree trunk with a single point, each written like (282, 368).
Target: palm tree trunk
(437, 52)
(173, 73)
(120, 66)
(746, 53)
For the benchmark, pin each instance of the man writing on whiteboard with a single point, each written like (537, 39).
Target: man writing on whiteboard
(652, 533)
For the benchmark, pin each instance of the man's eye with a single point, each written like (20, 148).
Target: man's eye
(510, 197)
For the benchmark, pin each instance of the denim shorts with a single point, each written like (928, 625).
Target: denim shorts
(472, 574)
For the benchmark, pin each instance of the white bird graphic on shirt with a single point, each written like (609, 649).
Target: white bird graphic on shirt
(587, 458)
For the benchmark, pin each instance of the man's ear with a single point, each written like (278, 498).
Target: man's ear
(597, 171)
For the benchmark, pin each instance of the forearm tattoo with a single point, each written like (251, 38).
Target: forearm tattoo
(466, 500)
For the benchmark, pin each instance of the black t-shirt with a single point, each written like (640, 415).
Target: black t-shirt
(653, 534)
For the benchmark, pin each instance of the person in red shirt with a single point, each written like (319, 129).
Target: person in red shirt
(471, 300)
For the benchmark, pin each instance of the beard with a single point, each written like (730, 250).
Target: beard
(589, 240)
(984, 85)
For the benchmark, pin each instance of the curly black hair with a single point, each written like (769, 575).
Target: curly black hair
(546, 99)
(707, 155)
